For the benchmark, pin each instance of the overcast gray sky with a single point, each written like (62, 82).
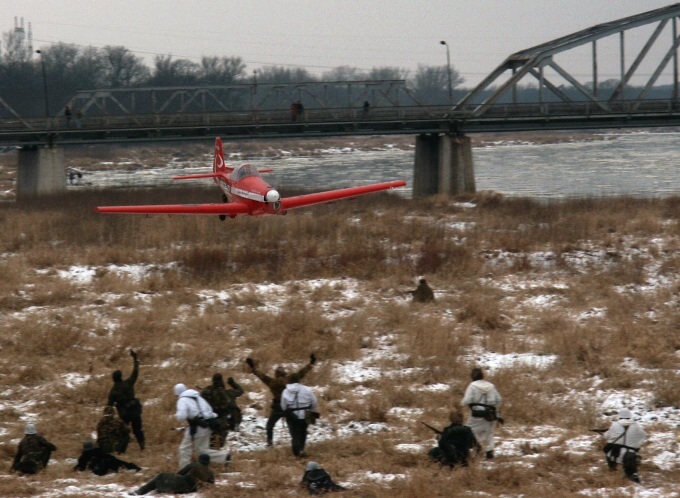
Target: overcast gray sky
(322, 34)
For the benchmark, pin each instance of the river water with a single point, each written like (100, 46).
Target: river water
(636, 164)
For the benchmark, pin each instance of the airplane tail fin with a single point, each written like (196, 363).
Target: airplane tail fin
(218, 162)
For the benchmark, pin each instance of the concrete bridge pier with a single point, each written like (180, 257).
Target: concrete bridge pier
(443, 165)
(41, 171)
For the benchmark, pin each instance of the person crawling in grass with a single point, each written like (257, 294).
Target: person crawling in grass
(317, 481)
(190, 479)
(100, 462)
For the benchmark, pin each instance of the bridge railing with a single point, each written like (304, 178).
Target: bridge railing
(565, 109)
(246, 117)
(341, 115)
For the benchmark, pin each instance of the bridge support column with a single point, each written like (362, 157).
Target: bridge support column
(41, 171)
(443, 165)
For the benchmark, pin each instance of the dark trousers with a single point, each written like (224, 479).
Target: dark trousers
(438, 455)
(219, 435)
(135, 422)
(33, 463)
(275, 415)
(168, 483)
(298, 433)
(630, 464)
(109, 463)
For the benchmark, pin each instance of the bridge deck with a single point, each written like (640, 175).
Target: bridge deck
(336, 122)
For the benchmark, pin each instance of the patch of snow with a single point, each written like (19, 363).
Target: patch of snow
(497, 361)
(72, 380)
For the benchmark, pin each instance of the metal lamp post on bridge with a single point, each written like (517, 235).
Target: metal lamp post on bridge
(44, 74)
(448, 69)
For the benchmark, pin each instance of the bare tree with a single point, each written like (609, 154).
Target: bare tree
(280, 74)
(90, 68)
(344, 73)
(387, 73)
(221, 71)
(431, 83)
(122, 68)
(178, 72)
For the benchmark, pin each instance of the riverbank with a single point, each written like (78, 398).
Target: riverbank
(134, 157)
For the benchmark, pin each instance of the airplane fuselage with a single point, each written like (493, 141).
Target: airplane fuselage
(251, 191)
(246, 193)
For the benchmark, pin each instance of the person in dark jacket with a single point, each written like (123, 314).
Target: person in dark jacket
(112, 433)
(101, 462)
(423, 293)
(223, 402)
(455, 443)
(33, 453)
(276, 385)
(317, 481)
(188, 480)
(122, 396)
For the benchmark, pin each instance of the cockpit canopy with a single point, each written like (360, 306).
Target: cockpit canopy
(244, 171)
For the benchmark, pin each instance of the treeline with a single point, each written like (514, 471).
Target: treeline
(68, 68)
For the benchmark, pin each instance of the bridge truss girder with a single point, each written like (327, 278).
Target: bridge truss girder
(532, 62)
(241, 97)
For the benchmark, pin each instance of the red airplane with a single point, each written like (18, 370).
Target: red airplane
(246, 192)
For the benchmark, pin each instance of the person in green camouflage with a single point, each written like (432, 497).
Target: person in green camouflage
(276, 385)
(223, 402)
(33, 453)
(122, 396)
(112, 433)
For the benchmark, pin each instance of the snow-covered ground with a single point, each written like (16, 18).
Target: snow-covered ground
(383, 358)
(512, 443)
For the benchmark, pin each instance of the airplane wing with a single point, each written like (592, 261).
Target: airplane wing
(334, 195)
(202, 175)
(227, 208)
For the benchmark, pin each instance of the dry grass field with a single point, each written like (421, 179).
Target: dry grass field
(574, 307)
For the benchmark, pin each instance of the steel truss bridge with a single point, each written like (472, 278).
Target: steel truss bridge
(337, 108)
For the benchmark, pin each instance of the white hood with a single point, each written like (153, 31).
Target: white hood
(298, 396)
(481, 391)
(484, 386)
